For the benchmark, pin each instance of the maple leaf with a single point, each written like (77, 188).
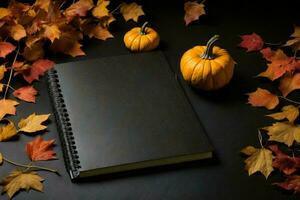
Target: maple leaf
(263, 98)
(260, 160)
(291, 183)
(17, 180)
(280, 64)
(40, 149)
(38, 68)
(252, 42)
(283, 132)
(295, 42)
(289, 83)
(289, 112)
(131, 11)
(193, 10)
(36, 51)
(4, 12)
(7, 106)
(17, 32)
(6, 48)
(283, 162)
(26, 93)
(80, 8)
(33, 123)
(8, 131)
(52, 32)
(43, 4)
(267, 53)
(2, 71)
(68, 46)
(249, 150)
(101, 10)
(98, 32)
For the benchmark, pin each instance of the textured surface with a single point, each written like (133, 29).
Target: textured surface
(229, 122)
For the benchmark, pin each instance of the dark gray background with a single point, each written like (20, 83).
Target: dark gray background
(230, 123)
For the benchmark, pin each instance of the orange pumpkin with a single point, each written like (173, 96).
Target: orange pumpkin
(141, 39)
(207, 67)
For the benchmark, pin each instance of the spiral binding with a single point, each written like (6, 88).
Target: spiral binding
(64, 125)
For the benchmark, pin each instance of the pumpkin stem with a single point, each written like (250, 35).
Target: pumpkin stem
(143, 28)
(208, 54)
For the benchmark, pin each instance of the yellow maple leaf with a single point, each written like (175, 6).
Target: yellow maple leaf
(17, 32)
(131, 11)
(4, 12)
(18, 180)
(33, 123)
(295, 41)
(8, 131)
(2, 71)
(260, 160)
(99, 32)
(101, 10)
(43, 4)
(7, 106)
(51, 32)
(284, 132)
(289, 112)
(249, 150)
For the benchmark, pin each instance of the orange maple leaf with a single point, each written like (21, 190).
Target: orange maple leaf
(7, 106)
(40, 149)
(263, 98)
(52, 32)
(280, 64)
(289, 83)
(43, 4)
(38, 68)
(193, 10)
(79, 8)
(36, 51)
(26, 93)
(17, 32)
(6, 48)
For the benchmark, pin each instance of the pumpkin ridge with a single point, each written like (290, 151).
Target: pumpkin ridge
(132, 41)
(196, 67)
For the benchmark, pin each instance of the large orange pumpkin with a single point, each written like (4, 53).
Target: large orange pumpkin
(207, 67)
(141, 39)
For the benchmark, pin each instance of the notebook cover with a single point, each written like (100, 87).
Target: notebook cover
(120, 110)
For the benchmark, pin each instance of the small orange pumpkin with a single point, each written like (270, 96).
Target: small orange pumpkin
(207, 67)
(141, 39)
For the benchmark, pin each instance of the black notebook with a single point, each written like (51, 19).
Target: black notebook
(122, 113)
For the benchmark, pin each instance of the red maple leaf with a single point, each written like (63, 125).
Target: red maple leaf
(291, 183)
(283, 162)
(267, 53)
(6, 48)
(38, 68)
(252, 42)
(26, 93)
(40, 149)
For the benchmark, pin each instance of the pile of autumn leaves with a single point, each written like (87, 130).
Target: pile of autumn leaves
(26, 30)
(285, 131)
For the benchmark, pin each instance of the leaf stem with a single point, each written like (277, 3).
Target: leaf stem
(9, 87)
(114, 10)
(30, 166)
(260, 139)
(273, 44)
(11, 72)
(289, 100)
